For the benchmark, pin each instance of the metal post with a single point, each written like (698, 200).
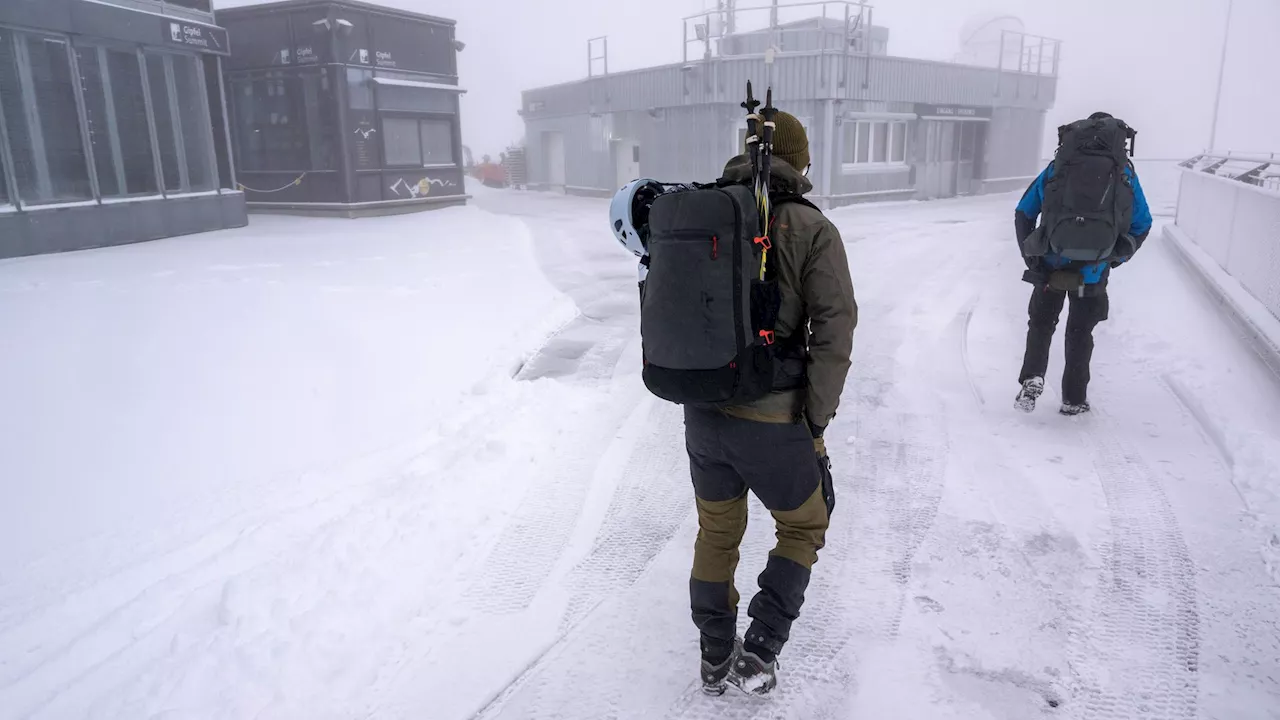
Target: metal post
(1022, 51)
(1222, 68)
(1000, 63)
(82, 115)
(226, 123)
(866, 50)
(844, 64)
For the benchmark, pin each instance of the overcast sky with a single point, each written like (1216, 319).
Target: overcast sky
(1152, 62)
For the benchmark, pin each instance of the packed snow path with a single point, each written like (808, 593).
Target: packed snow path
(264, 474)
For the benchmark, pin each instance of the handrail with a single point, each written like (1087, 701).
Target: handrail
(1258, 170)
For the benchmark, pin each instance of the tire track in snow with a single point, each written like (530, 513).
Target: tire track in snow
(642, 517)
(966, 319)
(1142, 659)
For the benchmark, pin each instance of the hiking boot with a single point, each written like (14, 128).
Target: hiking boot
(715, 669)
(1080, 409)
(1031, 390)
(751, 674)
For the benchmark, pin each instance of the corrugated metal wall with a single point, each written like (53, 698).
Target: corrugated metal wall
(798, 77)
(685, 118)
(1013, 143)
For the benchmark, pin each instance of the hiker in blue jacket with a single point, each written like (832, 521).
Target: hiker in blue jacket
(1094, 219)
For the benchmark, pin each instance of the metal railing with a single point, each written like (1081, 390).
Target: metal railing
(817, 27)
(1259, 169)
(1229, 206)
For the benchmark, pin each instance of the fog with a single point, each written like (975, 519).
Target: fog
(1152, 62)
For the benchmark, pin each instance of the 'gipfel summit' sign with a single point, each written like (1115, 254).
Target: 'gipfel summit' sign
(194, 36)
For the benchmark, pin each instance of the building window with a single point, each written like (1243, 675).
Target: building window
(202, 5)
(417, 142)
(875, 142)
(395, 97)
(437, 142)
(116, 110)
(43, 119)
(286, 121)
(193, 117)
(181, 116)
(166, 126)
(360, 89)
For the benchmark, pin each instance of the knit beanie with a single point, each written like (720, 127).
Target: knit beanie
(790, 142)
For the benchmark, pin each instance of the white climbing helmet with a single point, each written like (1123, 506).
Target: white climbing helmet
(630, 210)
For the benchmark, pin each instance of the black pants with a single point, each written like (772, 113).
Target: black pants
(1085, 314)
(727, 457)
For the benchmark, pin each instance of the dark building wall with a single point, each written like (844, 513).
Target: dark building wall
(107, 127)
(343, 103)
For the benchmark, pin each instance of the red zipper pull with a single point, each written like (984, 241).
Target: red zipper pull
(715, 247)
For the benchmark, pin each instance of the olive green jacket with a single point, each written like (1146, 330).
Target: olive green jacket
(817, 292)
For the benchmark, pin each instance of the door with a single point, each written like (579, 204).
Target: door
(972, 141)
(553, 151)
(626, 158)
(948, 157)
(929, 181)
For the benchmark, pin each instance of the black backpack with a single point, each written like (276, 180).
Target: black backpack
(707, 317)
(1088, 203)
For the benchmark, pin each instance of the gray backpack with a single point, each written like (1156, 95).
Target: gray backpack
(1088, 203)
(706, 316)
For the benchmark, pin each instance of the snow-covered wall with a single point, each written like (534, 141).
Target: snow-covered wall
(1238, 225)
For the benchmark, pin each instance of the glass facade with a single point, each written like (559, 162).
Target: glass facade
(86, 119)
(286, 121)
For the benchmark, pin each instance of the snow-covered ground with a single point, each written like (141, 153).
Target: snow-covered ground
(382, 468)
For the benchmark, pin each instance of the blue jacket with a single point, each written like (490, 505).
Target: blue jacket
(1033, 199)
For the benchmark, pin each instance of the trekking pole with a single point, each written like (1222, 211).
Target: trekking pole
(753, 134)
(762, 181)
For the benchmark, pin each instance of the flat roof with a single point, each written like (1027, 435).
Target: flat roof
(354, 4)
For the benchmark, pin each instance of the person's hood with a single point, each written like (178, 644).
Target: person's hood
(782, 177)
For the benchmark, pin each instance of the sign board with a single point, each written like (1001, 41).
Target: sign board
(194, 36)
(365, 141)
(959, 112)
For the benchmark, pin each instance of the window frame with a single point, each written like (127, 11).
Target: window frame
(295, 78)
(102, 48)
(73, 44)
(419, 117)
(851, 133)
(145, 55)
(44, 181)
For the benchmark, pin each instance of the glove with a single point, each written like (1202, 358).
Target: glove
(828, 484)
(819, 445)
(1118, 262)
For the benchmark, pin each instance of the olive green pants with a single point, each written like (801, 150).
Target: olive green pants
(729, 457)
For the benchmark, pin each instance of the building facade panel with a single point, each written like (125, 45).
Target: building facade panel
(344, 107)
(107, 107)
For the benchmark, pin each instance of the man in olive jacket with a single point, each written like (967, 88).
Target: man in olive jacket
(773, 447)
